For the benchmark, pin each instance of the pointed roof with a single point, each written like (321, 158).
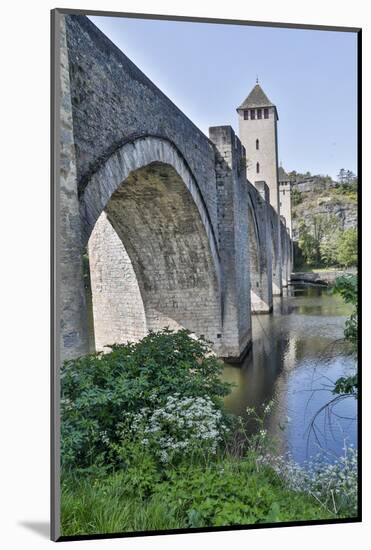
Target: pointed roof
(256, 98)
(282, 175)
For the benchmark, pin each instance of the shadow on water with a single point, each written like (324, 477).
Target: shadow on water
(295, 361)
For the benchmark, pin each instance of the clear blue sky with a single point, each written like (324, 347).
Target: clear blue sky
(207, 70)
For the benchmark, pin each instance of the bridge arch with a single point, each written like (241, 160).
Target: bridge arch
(285, 253)
(275, 253)
(153, 253)
(255, 262)
(260, 292)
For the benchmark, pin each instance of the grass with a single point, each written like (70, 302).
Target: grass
(224, 492)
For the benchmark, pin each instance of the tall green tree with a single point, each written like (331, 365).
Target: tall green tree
(312, 236)
(347, 248)
(329, 248)
(341, 175)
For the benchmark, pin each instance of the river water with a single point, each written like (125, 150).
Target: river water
(295, 361)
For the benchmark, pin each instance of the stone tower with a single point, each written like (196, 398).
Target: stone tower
(285, 198)
(258, 132)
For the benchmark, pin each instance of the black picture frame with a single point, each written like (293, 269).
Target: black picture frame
(55, 276)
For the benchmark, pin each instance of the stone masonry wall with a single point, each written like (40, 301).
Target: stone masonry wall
(118, 310)
(177, 202)
(114, 102)
(233, 240)
(261, 276)
(72, 312)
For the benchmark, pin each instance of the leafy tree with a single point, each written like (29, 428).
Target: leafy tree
(313, 236)
(328, 248)
(341, 175)
(307, 244)
(293, 176)
(350, 177)
(346, 177)
(296, 197)
(347, 248)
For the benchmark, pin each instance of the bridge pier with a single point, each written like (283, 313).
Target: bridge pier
(284, 253)
(230, 167)
(276, 254)
(261, 290)
(70, 310)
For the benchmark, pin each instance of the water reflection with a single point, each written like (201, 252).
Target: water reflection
(294, 361)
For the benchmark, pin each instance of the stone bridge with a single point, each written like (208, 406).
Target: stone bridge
(175, 234)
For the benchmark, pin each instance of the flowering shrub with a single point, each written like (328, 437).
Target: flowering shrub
(98, 389)
(333, 485)
(181, 427)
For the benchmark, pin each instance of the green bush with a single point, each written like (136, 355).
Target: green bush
(296, 197)
(98, 390)
(347, 287)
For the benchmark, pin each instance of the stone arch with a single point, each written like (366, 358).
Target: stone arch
(275, 253)
(130, 156)
(143, 212)
(284, 251)
(260, 298)
(254, 256)
(117, 309)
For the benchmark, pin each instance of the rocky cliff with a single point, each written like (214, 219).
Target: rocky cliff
(321, 196)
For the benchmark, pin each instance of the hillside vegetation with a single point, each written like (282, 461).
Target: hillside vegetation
(324, 217)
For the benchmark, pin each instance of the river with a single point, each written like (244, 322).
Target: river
(295, 361)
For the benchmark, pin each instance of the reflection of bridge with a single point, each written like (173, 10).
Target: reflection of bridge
(176, 234)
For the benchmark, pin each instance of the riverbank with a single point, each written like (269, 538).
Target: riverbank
(195, 495)
(322, 277)
(148, 445)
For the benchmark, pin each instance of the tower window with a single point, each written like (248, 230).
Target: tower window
(257, 168)
(266, 113)
(259, 113)
(246, 115)
(257, 144)
(252, 114)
